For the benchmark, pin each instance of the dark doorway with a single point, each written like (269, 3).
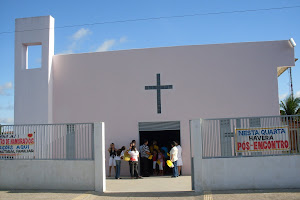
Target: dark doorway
(163, 138)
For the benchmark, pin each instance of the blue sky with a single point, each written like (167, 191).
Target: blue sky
(204, 29)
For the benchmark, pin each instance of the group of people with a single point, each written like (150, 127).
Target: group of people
(116, 155)
(152, 156)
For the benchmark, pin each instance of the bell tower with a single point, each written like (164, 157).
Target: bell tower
(33, 87)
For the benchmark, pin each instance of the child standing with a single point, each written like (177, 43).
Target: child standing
(161, 162)
(154, 158)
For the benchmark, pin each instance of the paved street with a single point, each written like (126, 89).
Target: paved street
(151, 188)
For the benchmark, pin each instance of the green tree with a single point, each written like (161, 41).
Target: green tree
(290, 106)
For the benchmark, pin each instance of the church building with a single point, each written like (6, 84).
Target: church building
(147, 93)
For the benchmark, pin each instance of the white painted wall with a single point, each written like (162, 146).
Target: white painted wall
(266, 172)
(209, 81)
(33, 87)
(47, 174)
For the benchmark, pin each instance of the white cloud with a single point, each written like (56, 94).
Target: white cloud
(106, 45)
(81, 33)
(4, 87)
(76, 38)
(6, 120)
(123, 39)
(69, 51)
(71, 48)
(283, 96)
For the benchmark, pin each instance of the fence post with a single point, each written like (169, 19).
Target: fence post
(196, 144)
(99, 155)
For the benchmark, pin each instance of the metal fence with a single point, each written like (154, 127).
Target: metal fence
(251, 136)
(47, 141)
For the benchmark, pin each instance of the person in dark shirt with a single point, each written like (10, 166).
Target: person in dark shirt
(145, 153)
(112, 154)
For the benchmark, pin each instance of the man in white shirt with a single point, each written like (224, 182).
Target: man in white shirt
(174, 158)
(179, 162)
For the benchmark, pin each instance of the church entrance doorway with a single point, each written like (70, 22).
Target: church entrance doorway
(164, 133)
(159, 136)
(163, 138)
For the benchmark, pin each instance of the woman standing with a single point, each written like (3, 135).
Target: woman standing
(119, 156)
(134, 155)
(112, 154)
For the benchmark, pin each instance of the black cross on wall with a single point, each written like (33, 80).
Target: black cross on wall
(158, 88)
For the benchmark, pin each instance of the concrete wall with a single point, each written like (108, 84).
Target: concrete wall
(47, 174)
(99, 151)
(58, 174)
(209, 81)
(266, 172)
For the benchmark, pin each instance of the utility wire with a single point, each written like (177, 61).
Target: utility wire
(159, 18)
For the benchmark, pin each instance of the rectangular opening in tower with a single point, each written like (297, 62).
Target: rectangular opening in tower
(34, 57)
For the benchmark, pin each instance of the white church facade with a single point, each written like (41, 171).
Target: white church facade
(145, 90)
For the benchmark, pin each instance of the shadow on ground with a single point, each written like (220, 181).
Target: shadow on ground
(149, 194)
(113, 194)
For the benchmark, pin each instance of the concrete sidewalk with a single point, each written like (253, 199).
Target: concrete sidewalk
(150, 184)
(151, 188)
